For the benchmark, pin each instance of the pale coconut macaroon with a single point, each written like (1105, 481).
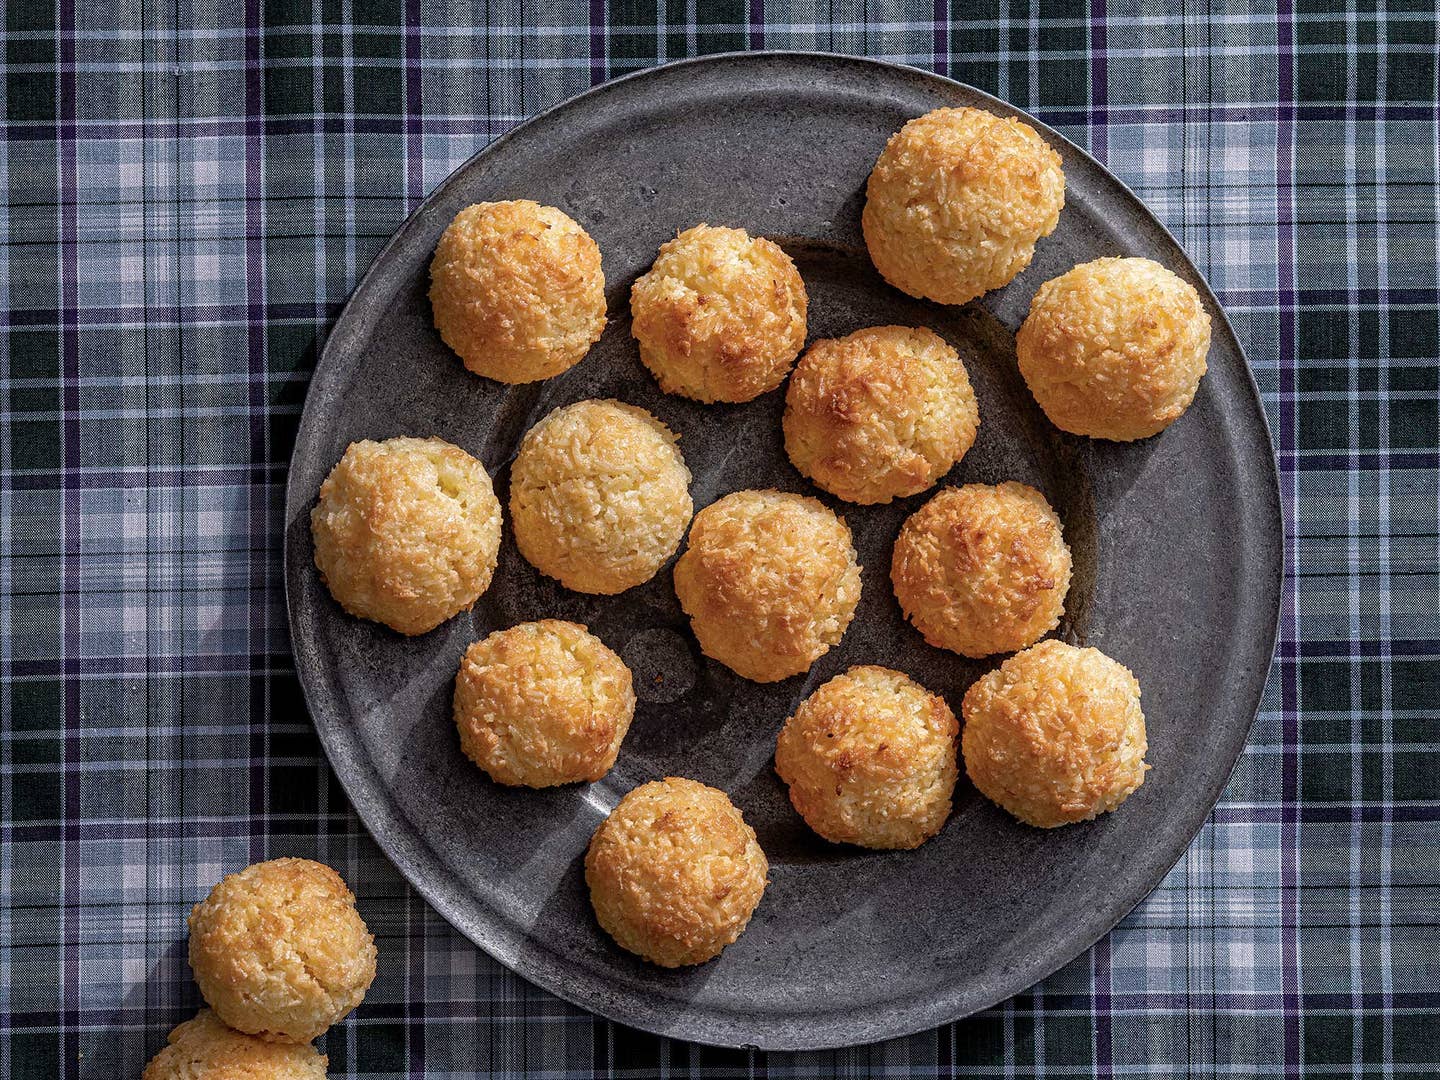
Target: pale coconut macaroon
(770, 582)
(407, 532)
(1055, 734)
(879, 414)
(599, 496)
(720, 316)
(869, 758)
(280, 951)
(957, 201)
(543, 703)
(1114, 348)
(203, 1048)
(675, 872)
(517, 290)
(981, 570)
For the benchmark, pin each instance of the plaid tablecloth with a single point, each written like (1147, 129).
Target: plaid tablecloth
(192, 188)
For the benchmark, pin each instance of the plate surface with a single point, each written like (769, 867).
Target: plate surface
(1177, 544)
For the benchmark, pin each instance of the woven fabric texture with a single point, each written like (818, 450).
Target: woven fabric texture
(190, 191)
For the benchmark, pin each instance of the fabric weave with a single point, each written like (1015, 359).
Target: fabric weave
(192, 189)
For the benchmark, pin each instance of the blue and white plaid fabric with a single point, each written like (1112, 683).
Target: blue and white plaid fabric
(192, 189)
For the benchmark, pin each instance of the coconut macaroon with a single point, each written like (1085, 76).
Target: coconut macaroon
(599, 496)
(407, 532)
(879, 414)
(957, 201)
(1055, 734)
(202, 1048)
(770, 581)
(675, 872)
(870, 759)
(720, 316)
(517, 290)
(1114, 348)
(982, 570)
(279, 950)
(543, 703)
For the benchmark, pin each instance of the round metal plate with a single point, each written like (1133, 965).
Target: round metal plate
(1177, 544)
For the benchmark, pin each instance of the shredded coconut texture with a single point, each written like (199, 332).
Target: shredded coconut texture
(982, 570)
(720, 316)
(1055, 735)
(880, 414)
(770, 582)
(675, 872)
(407, 532)
(869, 758)
(599, 496)
(203, 1048)
(1114, 348)
(517, 290)
(957, 201)
(279, 950)
(543, 703)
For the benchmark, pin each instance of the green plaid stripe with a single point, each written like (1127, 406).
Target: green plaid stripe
(191, 190)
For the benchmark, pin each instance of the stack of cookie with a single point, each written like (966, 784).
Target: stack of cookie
(280, 954)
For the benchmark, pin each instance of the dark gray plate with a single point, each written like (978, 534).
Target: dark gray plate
(1177, 544)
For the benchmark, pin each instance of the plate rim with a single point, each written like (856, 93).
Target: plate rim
(724, 1031)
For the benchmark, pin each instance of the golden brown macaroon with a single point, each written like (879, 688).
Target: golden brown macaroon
(880, 414)
(675, 872)
(599, 496)
(202, 1048)
(543, 703)
(407, 532)
(1114, 348)
(517, 290)
(279, 950)
(720, 316)
(870, 759)
(982, 570)
(770, 582)
(957, 201)
(1055, 734)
